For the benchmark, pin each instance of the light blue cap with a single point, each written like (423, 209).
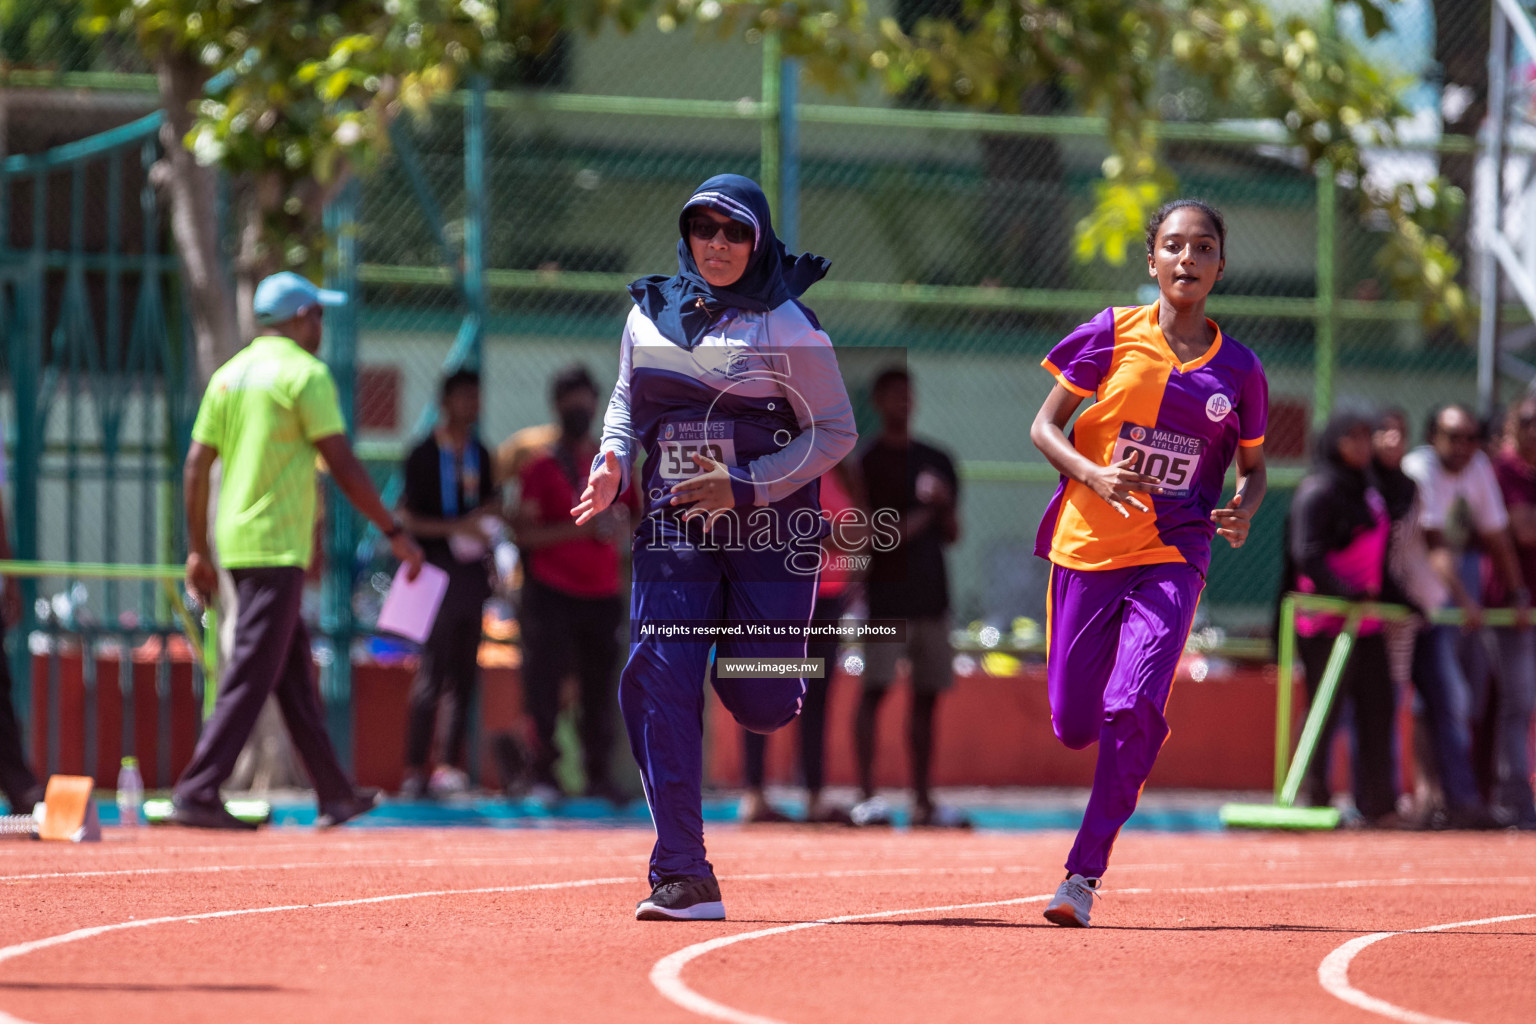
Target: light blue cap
(279, 298)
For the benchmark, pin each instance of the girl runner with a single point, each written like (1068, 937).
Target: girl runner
(1129, 529)
(729, 386)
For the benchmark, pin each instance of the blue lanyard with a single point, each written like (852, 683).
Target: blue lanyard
(448, 476)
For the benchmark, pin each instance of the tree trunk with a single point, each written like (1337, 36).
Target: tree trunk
(191, 189)
(252, 259)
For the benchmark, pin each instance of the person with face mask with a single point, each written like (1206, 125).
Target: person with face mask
(731, 389)
(448, 499)
(1337, 534)
(569, 609)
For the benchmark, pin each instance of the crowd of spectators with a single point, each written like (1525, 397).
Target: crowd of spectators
(568, 587)
(1447, 526)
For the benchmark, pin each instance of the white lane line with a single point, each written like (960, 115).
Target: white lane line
(666, 974)
(23, 948)
(1333, 972)
(214, 869)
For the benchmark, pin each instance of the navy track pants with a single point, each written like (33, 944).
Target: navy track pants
(661, 691)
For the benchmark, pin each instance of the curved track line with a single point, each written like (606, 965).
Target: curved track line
(1333, 972)
(666, 974)
(23, 948)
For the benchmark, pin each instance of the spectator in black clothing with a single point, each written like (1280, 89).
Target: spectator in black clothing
(20, 786)
(449, 496)
(839, 495)
(1389, 443)
(1337, 540)
(910, 582)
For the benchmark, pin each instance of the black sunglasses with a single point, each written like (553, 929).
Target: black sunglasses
(705, 230)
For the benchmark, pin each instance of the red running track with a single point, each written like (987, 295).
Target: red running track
(395, 926)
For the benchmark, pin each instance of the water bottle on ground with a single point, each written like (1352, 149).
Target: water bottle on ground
(130, 794)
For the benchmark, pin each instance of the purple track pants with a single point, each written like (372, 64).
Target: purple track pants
(1113, 643)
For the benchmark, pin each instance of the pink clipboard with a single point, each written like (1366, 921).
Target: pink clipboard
(411, 606)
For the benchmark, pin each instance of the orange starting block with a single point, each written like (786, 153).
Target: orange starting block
(67, 813)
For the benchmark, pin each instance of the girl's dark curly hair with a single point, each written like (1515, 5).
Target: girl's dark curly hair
(1166, 209)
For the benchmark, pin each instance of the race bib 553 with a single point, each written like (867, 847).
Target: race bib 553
(680, 442)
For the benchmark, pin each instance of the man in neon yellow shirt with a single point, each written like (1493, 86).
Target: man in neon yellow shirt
(265, 414)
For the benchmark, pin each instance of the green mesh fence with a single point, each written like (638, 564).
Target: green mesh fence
(950, 234)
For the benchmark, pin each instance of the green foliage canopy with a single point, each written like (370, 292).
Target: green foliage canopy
(1115, 58)
(304, 90)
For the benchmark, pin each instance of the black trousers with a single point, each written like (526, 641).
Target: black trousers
(271, 655)
(813, 713)
(1367, 685)
(559, 633)
(20, 786)
(449, 672)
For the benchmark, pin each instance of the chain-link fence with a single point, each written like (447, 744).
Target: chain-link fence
(951, 238)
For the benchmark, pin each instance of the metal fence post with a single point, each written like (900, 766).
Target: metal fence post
(26, 365)
(1284, 679)
(1325, 353)
(341, 356)
(771, 156)
(1491, 210)
(472, 335)
(788, 214)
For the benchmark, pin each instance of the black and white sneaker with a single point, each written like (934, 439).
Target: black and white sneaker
(685, 899)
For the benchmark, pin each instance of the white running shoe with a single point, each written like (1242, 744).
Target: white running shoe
(448, 781)
(1073, 903)
(872, 812)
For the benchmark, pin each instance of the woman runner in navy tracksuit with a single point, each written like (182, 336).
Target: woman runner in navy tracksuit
(731, 389)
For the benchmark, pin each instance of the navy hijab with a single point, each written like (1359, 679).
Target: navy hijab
(685, 305)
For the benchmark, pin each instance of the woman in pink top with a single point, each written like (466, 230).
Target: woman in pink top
(1337, 543)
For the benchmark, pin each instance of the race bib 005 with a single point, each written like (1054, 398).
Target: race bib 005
(1174, 459)
(680, 442)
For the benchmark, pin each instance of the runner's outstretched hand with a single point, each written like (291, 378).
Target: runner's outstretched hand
(1232, 521)
(602, 488)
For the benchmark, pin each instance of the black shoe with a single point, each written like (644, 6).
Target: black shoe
(511, 763)
(414, 787)
(685, 899)
(1471, 819)
(935, 816)
(758, 811)
(364, 799)
(208, 816)
(827, 815)
(30, 798)
(607, 789)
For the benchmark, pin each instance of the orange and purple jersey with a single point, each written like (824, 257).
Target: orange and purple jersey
(1179, 422)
